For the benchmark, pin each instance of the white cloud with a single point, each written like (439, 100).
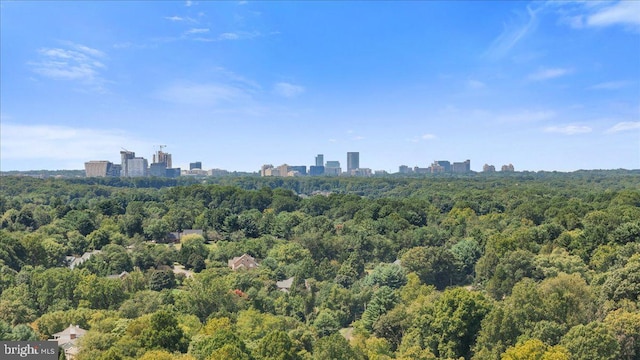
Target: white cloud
(197, 31)
(75, 62)
(288, 90)
(621, 13)
(624, 126)
(188, 3)
(357, 138)
(475, 84)
(546, 74)
(229, 36)
(568, 129)
(201, 94)
(424, 137)
(610, 85)
(176, 18)
(513, 33)
(64, 143)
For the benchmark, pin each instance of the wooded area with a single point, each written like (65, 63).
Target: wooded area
(516, 266)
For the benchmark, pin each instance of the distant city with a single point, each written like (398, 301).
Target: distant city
(161, 166)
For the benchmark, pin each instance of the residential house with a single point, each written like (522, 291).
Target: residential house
(245, 261)
(67, 340)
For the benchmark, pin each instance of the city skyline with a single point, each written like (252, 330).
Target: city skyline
(549, 86)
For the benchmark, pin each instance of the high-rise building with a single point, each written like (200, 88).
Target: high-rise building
(301, 169)
(158, 170)
(444, 164)
(137, 167)
(195, 165)
(162, 157)
(320, 160)
(332, 164)
(316, 170)
(507, 168)
(100, 168)
(488, 168)
(404, 169)
(461, 167)
(124, 156)
(353, 161)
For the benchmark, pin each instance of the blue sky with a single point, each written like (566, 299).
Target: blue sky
(541, 85)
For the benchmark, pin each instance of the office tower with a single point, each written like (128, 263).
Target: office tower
(162, 157)
(353, 161)
(404, 169)
(158, 170)
(284, 169)
(488, 168)
(137, 167)
(332, 168)
(444, 164)
(316, 170)
(195, 165)
(124, 156)
(461, 167)
(320, 160)
(300, 169)
(98, 168)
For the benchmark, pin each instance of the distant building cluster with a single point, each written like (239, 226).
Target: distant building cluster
(161, 166)
(438, 167)
(329, 168)
(132, 166)
(490, 168)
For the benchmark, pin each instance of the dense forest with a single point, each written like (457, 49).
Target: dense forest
(502, 266)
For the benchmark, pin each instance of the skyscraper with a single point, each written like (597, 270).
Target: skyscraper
(353, 161)
(124, 156)
(320, 160)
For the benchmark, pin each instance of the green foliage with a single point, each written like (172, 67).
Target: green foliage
(334, 347)
(434, 265)
(163, 332)
(391, 275)
(554, 252)
(591, 341)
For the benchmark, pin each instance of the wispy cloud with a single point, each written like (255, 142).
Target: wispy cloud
(208, 94)
(622, 13)
(196, 31)
(546, 74)
(424, 137)
(231, 36)
(188, 3)
(176, 18)
(610, 85)
(568, 129)
(64, 143)
(513, 33)
(288, 90)
(73, 62)
(624, 126)
(583, 14)
(475, 84)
